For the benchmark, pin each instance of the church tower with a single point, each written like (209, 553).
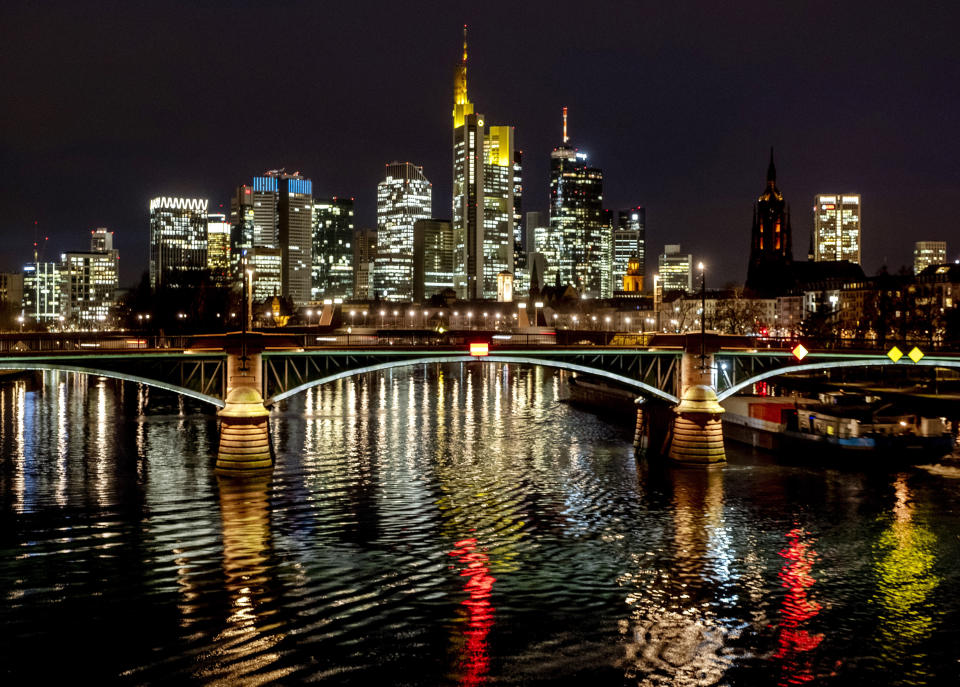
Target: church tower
(771, 249)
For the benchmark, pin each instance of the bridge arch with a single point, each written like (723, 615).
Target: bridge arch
(60, 367)
(641, 388)
(832, 365)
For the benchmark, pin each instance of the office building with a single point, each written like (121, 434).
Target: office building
(265, 266)
(364, 256)
(836, 227)
(178, 241)
(218, 249)
(575, 243)
(332, 249)
(926, 253)
(675, 269)
(41, 292)
(434, 254)
(769, 271)
(629, 244)
(487, 171)
(11, 291)
(403, 197)
(276, 211)
(101, 239)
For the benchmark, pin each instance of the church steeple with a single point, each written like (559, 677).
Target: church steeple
(771, 170)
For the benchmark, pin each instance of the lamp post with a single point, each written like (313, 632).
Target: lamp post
(536, 313)
(703, 318)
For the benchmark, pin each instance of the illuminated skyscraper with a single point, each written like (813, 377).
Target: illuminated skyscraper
(676, 269)
(836, 227)
(332, 248)
(629, 239)
(178, 240)
(926, 253)
(433, 257)
(276, 211)
(218, 249)
(364, 255)
(486, 189)
(575, 244)
(769, 271)
(403, 197)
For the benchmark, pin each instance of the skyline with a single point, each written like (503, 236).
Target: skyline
(690, 142)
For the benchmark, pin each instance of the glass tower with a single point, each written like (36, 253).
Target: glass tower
(836, 227)
(486, 191)
(629, 239)
(332, 249)
(178, 240)
(575, 244)
(403, 197)
(218, 249)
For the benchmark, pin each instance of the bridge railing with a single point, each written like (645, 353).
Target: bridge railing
(47, 342)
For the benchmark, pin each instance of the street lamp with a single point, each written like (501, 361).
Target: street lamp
(536, 313)
(703, 318)
(309, 315)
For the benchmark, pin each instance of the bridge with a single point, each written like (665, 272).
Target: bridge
(276, 367)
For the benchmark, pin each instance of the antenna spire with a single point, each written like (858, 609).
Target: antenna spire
(464, 43)
(565, 137)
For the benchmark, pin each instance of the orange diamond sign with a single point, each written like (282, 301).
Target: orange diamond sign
(915, 354)
(894, 354)
(800, 352)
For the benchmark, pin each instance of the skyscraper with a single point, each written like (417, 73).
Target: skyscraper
(178, 240)
(771, 251)
(574, 245)
(332, 248)
(486, 189)
(276, 211)
(676, 269)
(836, 227)
(926, 253)
(433, 257)
(364, 256)
(41, 291)
(629, 242)
(403, 197)
(218, 249)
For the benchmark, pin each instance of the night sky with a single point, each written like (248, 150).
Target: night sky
(108, 104)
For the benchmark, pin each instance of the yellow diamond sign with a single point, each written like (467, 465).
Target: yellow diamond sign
(894, 354)
(915, 354)
(800, 352)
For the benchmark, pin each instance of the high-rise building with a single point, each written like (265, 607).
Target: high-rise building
(101, 239)
(836, 227)
(629, 242)
(574, 245)
(364, 256)
(218, 249)
(266, 268)
(88, 287)
(926, 253)
(486, 190)
(178, 240)
(676, 269)
(11, 292)
(403, 197)
(41, 291)
(332, 248)
(433, 257)
(769, 272)
(276, 211)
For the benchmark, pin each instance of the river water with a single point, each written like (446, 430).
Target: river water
(452, 525)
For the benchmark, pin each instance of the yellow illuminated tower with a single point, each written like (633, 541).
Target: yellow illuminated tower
(486, 180)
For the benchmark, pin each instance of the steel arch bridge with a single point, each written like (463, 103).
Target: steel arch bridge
(654, 373)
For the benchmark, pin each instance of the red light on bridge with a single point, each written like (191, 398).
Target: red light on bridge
(800, 352)
(479, 349)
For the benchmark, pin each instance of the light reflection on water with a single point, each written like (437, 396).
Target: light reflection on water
(453, 525)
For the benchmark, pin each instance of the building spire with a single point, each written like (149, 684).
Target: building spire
(771, 170)
(565, 137)
(464, 43)
(460, 83)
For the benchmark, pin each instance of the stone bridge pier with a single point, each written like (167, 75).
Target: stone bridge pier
(244, 430)
(691, 433)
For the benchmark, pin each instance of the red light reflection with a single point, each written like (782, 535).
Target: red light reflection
(476, 661)
(797, 609)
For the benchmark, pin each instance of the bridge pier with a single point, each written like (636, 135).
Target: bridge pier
(697, 432)
(244, 421)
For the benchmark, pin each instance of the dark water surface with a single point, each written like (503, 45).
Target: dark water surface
(452, 525)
